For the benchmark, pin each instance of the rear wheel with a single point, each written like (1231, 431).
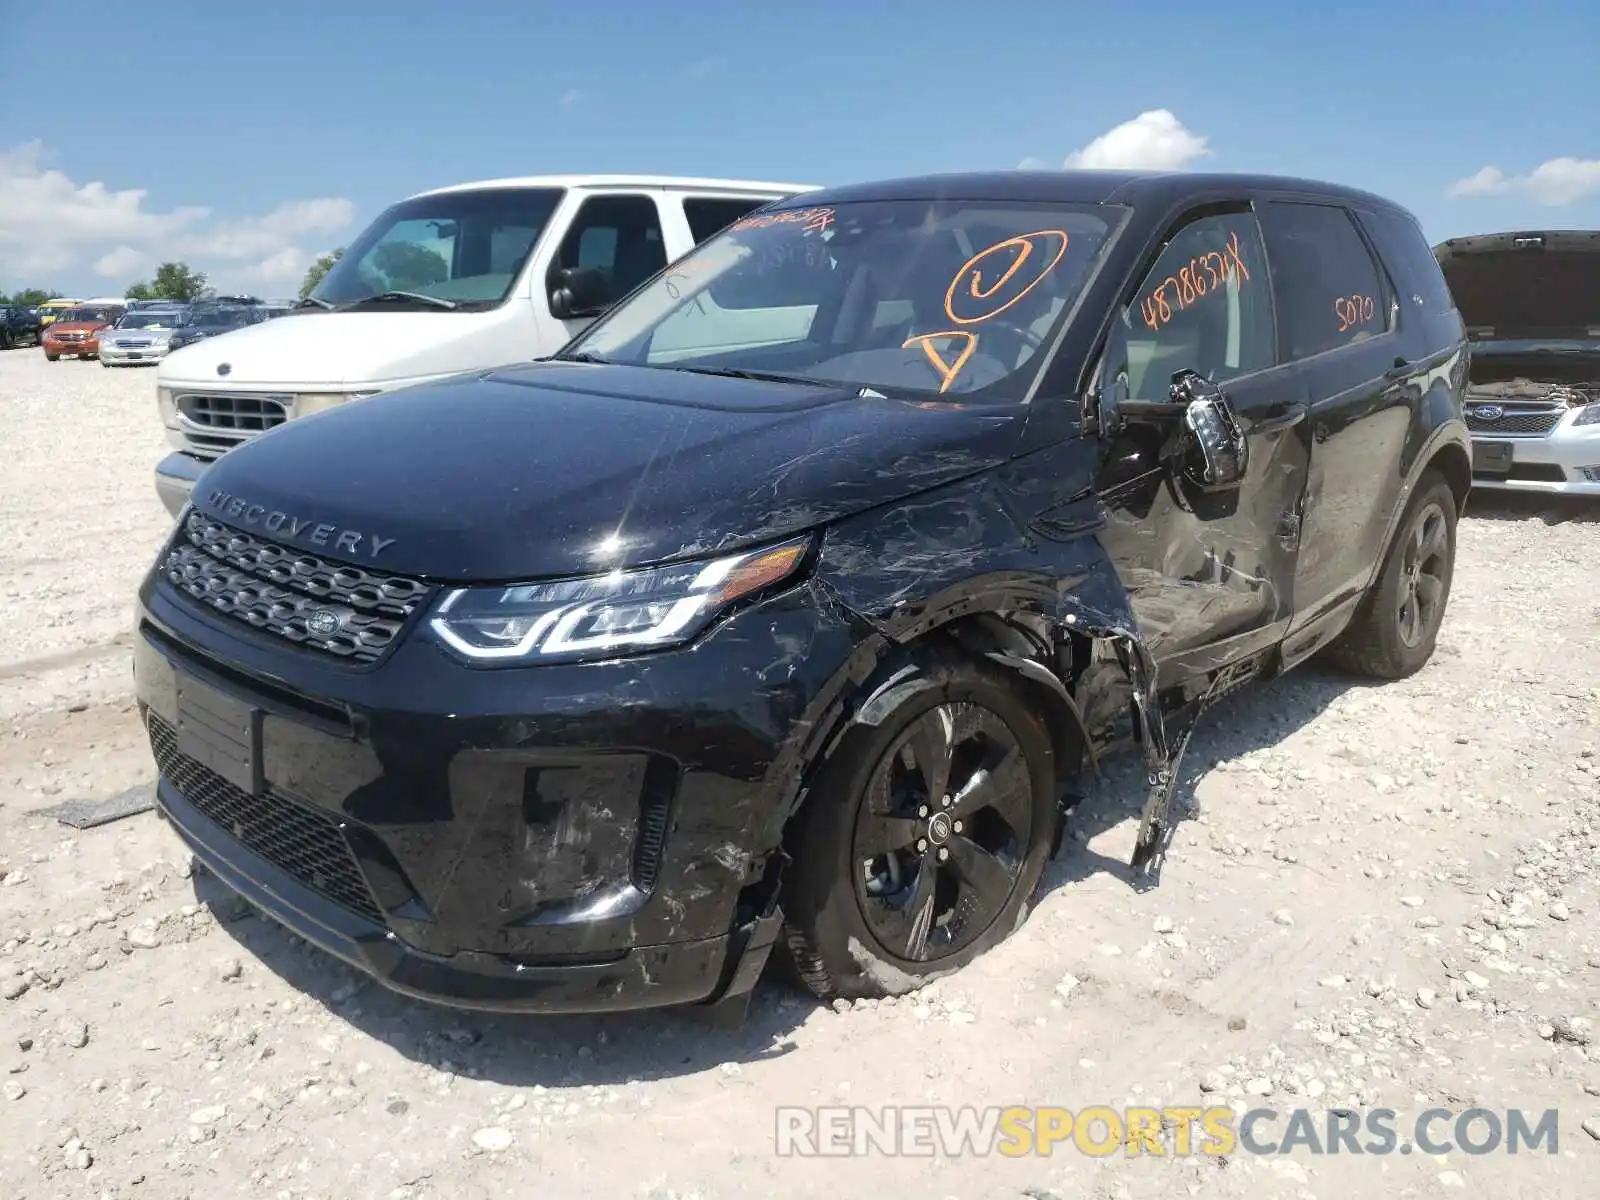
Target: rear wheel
(1397, 626)
(923, 839)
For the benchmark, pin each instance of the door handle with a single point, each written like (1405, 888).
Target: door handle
(1287, 418)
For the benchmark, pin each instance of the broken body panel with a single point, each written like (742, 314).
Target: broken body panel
(612, 833)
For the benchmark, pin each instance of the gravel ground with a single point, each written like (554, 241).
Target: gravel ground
(1382, 896)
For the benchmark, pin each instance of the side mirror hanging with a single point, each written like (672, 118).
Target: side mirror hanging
(578, 292)
(1216, 450)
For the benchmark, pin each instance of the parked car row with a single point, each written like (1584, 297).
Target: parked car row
(142, 332)
(807, 578)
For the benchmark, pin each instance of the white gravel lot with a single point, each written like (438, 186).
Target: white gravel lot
(1387, 897)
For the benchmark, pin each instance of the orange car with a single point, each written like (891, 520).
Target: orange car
(77, 331)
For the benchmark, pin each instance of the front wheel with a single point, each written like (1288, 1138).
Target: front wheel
(923, 838)
(1396, 628)
(51, 357)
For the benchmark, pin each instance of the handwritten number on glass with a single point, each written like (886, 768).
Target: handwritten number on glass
(1354, 310)
(1193, 282)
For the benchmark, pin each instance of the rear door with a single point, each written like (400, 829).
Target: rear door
(1210, 574)
(1337, 322)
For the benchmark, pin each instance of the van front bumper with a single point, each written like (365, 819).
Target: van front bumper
(175, 479)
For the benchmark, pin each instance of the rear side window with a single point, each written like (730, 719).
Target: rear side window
(710, 215)
(1418, 279)
(1329, 291)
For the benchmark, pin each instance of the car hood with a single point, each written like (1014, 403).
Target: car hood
(567, 469)
(322, 351)
(1525, 285)
(143, 332)
(77, 326)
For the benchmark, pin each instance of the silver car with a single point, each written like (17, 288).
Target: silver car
(1533, 406)
(139, 337)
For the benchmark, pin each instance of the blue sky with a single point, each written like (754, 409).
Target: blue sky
(246, 137)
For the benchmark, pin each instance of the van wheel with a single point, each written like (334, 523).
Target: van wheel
(1397, 626)
(923, 839)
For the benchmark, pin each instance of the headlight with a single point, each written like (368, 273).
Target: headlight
(605, 615)
(306, 403)
(1589, 415)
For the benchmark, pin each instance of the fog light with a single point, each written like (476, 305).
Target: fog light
(1592, 474)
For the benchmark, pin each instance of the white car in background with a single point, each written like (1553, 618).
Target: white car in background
(139, 338)
(460, 279)
(1531, 303)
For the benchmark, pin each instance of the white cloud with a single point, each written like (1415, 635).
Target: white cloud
(286, 266)
(1153, 141)
(1556, 182)
(123, 261)
(570, 97)
(51, 225)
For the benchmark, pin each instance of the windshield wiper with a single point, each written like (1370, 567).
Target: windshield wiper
(583, 356)
(760, 376)
(313, 302)
(399, 297)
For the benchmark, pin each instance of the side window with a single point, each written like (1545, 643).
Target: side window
(1422, 294)
(710, 215)
(1204, 306)
(1330, 293)
(620, 236)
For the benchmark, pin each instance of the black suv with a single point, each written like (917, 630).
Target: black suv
(790, 603)
(19, 326)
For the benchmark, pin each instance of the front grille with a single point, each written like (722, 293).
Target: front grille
(299, 840)
(1514, 422)
(283, 591)
(238, 413)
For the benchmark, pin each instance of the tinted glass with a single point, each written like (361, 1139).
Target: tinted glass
(1204, 306)
(463, 246)
(708, 216)
(911, 297)
(155, 319)
(618, 236)
(1328, 288)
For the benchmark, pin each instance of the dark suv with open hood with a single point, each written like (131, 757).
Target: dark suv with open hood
(791, 601)
(1531, 302)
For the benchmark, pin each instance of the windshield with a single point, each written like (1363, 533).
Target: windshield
(468, 247)
(922, 297)
(91, 315)
(149, 320)
(223, 318)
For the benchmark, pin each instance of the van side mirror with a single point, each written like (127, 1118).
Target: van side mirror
(578, 292)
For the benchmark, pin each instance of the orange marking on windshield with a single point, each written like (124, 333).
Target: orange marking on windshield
(947, 370)
(810, 220)
(1022, 246)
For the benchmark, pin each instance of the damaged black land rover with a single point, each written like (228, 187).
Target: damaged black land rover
(793, 602)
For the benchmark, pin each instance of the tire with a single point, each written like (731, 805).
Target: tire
(1395, 629)
(105, 364)
(52, 357)
(5, 340)
(870, 909)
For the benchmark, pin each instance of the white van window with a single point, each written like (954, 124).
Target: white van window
(466, 247)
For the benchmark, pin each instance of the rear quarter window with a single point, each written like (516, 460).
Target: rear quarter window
(1421, 291)
(1329, 291)
(710, 215)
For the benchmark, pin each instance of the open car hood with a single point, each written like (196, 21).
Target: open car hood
(1525, 285)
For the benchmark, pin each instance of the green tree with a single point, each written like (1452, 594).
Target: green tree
(139, 291)
(29, 297)
(175, 281)
(318, 269)
(408, 267)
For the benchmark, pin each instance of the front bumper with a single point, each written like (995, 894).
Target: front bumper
(1564, 462)
(176, 475)
(116, 355)
(84, 349)
(551, 839)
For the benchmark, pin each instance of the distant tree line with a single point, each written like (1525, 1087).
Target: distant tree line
(172, 281)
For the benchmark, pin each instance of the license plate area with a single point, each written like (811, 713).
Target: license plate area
(1492, 458)
(220, 732)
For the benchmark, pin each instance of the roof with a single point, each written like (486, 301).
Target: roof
(1568, 240)
(1085, 187)
(672, 182)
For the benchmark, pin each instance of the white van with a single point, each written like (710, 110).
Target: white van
(458, 279)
